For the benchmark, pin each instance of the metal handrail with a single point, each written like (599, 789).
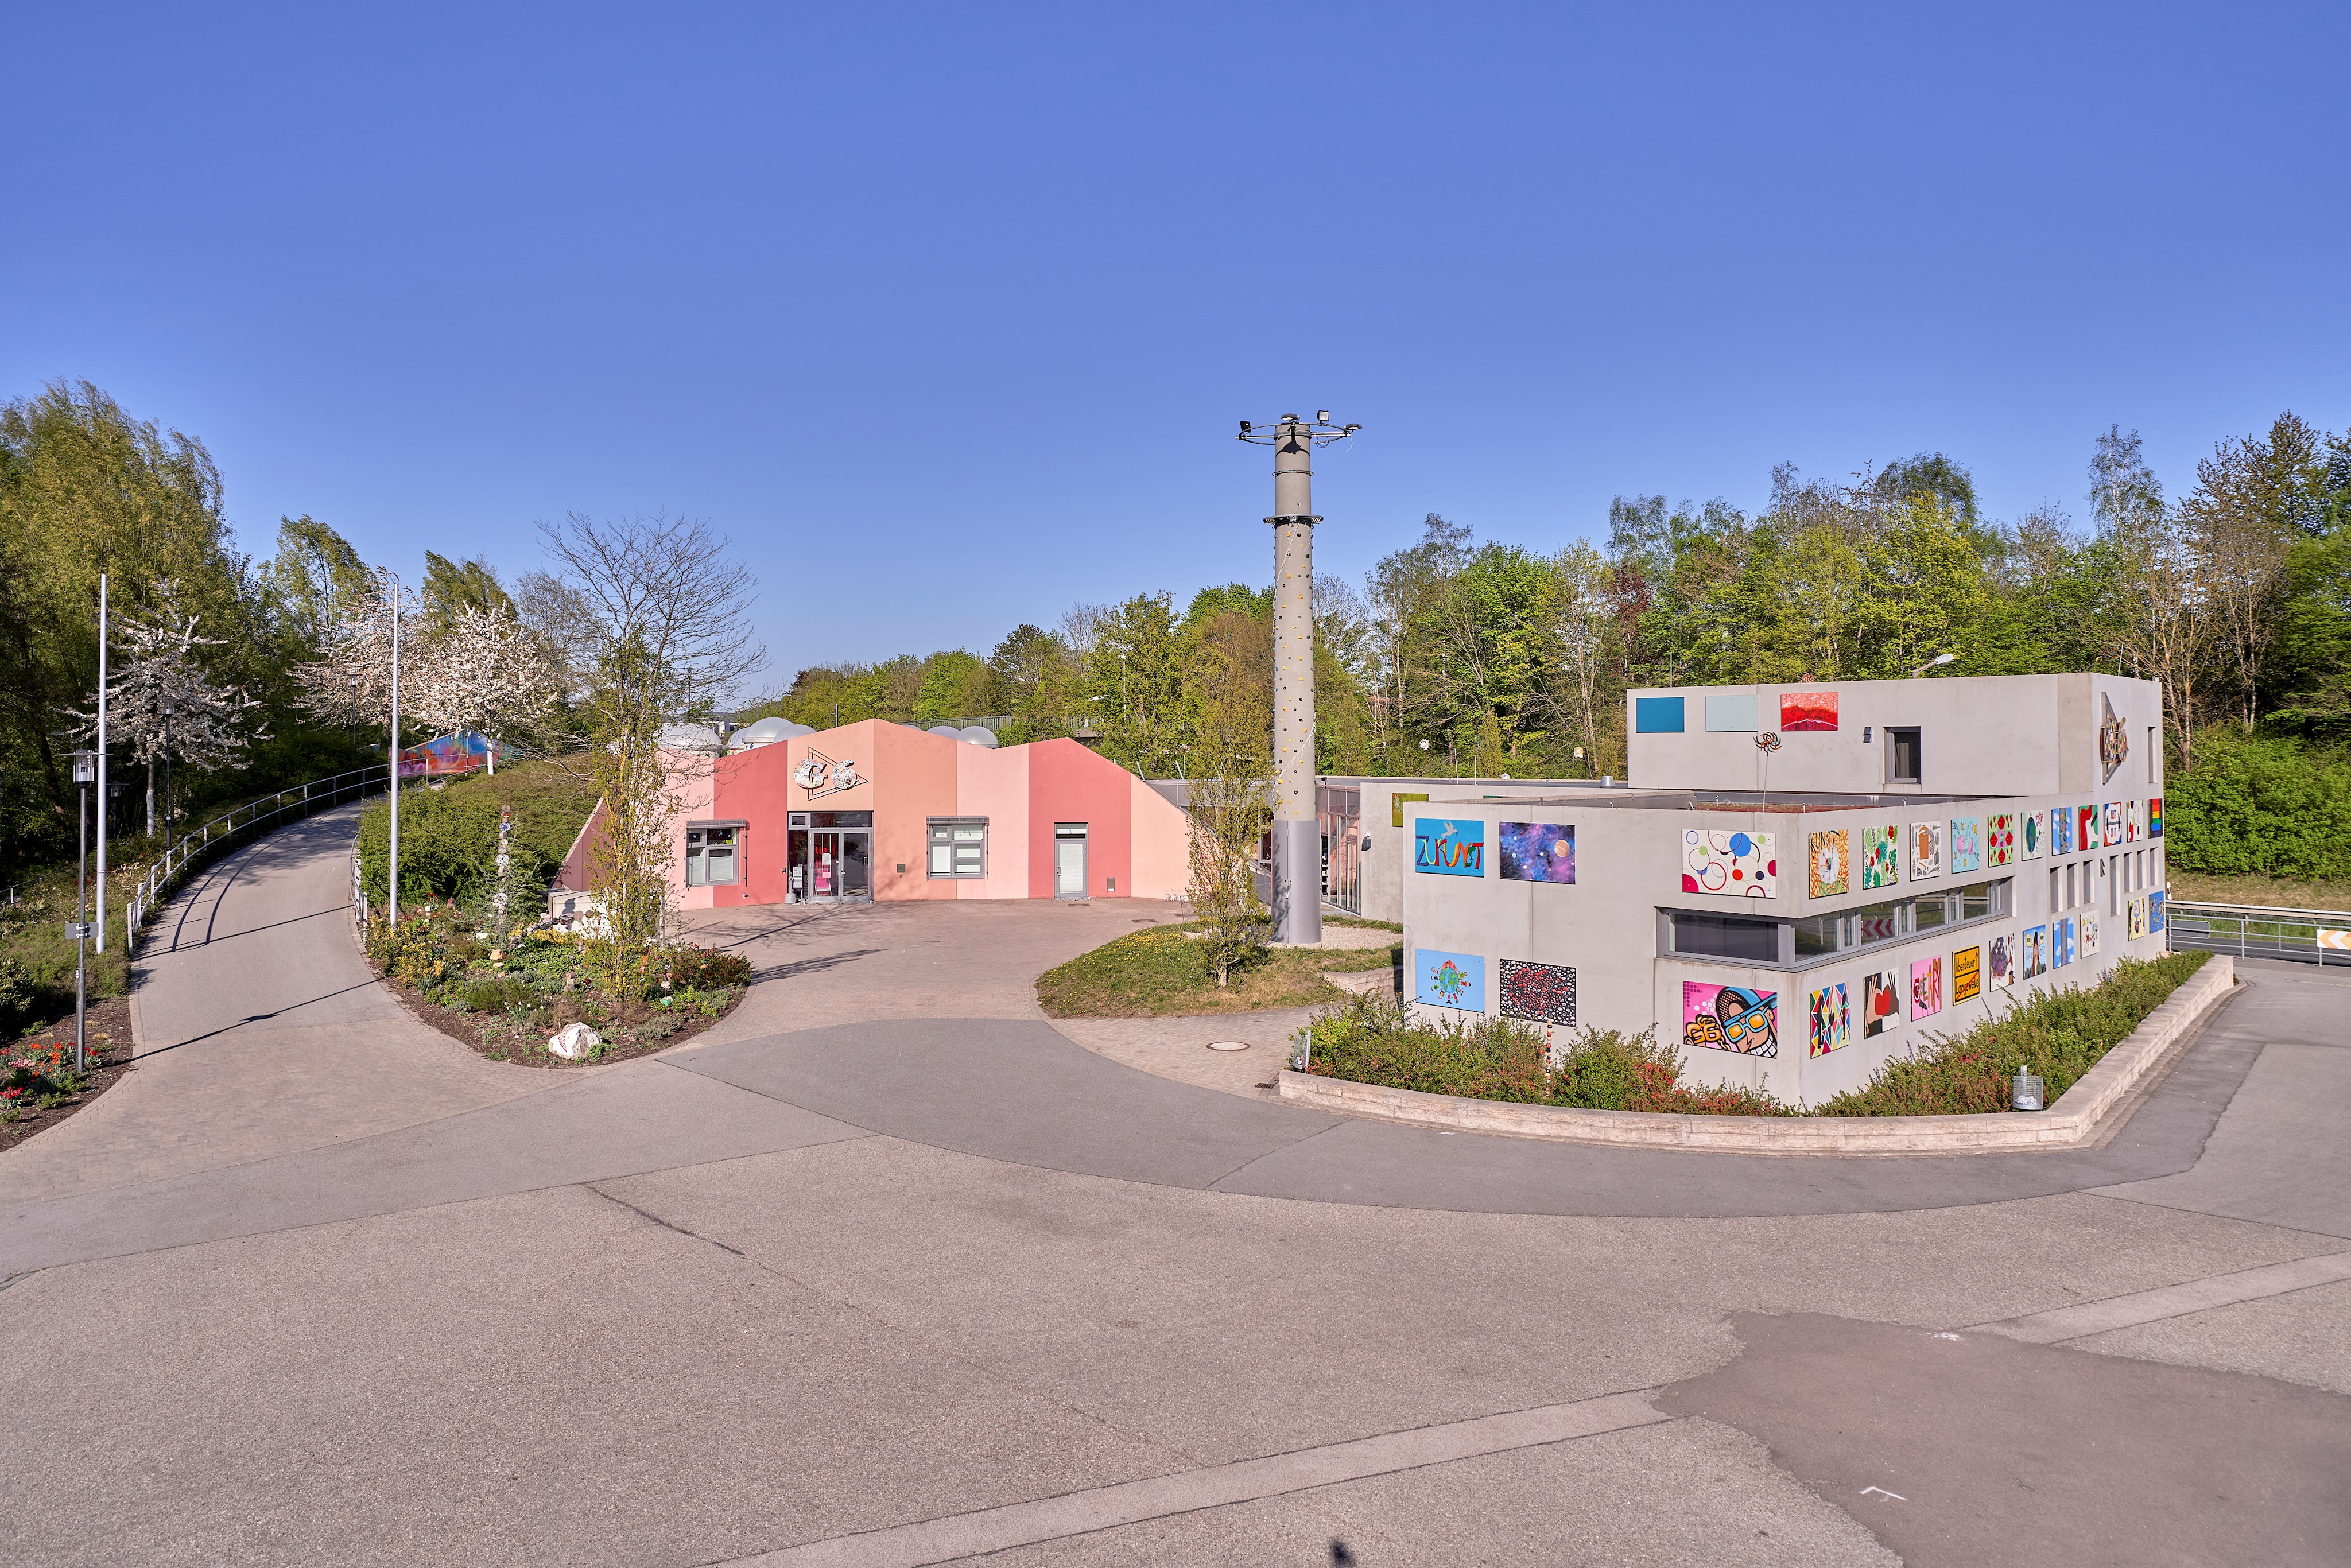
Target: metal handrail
(222, 830)
(2254, 930)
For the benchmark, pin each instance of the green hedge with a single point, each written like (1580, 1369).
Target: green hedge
(2260, 804)
(449, 837)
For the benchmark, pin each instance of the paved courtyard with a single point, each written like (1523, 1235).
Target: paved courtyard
(889, 1268)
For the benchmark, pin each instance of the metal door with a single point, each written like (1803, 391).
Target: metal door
(1069, 860)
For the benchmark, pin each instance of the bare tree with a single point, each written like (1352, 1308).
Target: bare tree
(2158, 626)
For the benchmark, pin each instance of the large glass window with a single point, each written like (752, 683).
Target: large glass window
(1727, 936)
(1818, 936)
(959, 847)
(710, 857)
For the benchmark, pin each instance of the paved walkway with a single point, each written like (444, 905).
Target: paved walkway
(889, 1268)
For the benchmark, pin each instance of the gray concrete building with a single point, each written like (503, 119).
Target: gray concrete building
(1795, 882)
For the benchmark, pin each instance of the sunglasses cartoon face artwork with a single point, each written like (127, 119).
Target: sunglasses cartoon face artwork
(1730, 1018)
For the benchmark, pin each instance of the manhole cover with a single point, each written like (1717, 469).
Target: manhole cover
(1229, 1045)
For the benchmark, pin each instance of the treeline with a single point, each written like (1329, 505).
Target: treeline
(1480, 658)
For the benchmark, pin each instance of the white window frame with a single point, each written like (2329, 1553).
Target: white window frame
(698, 845)
(940, 837)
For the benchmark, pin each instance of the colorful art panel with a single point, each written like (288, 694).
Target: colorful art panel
(1832, 1020)
(1926, 851)
(1925, 987)
(1999, 838)
(2031, 834)
(2060, 943)
(2089, 934)
(1881, 857)
(2114, 822)
(1828, 869)
(1544, 993)
(1967, 844)
(2154, 817)
(2036, 951)
(1807, 711)
(2061, 830)
(1730, 1018)
(2135, 917)
(1657, 715)
(2085, 829)
(1729, 865)
(1449, 846)
(2114, 741)
(2154, 913)
(1999, 961)
(1881, 1004)
(1967, 974)
(1537, 852)
(2131, 829)
(1456, 981)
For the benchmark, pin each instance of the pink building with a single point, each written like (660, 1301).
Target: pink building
(882, 810)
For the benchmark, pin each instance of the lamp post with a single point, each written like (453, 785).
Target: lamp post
(85, 772)
(1297, 841)
(392, 902)
(169, 707)
(103, 792)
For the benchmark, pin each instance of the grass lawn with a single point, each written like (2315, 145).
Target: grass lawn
(2277, 892)
(1158, 973)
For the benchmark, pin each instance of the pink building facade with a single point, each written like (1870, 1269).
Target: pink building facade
(877, 810)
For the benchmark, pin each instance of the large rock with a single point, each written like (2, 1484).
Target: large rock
(574, 1041)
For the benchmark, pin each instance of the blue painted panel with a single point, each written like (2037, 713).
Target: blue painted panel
(1657, 715)
(1456, 981)
(1449, 846)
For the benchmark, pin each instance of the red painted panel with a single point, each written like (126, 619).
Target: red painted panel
(1069, 783)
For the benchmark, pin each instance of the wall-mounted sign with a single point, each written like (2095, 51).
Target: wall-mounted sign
(819, 775)
(1449, 846)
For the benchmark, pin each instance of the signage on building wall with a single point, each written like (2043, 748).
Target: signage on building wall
(819, 775)
(1449, 846)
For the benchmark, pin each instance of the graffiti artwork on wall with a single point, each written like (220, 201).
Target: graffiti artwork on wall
(1537, 852)
(2031, 834)
(1832, 1020)
(1829, 869)
(1926, 850)
(1881, 857)
(2060, 943)
(1542, 992)
(1449, 981)
(2000, 960)
(2114, 824)
(2154, 817)
(1449, 846)
(1967, 844)
(1881, 1003)
(1999, 838)
(1927, 988)
(2036, 951)
(1730, 1018)
(2089, 934)
(1802, 711)
(1734, 864)
(1967, 974)
(2114, 741)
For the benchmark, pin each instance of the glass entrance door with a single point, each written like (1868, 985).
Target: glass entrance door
(856, 879)
(840, 864)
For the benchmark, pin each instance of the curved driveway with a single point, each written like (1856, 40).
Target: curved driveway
(888, 1247)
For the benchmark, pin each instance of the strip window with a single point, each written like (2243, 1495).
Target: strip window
(1875, 925)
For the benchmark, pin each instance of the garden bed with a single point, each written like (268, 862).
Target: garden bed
(39, 1087)
(505, 997)
(1161, 973)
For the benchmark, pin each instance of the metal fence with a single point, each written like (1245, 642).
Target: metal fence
(199, 843)
(2252, 931)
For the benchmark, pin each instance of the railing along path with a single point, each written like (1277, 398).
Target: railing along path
(200, 843)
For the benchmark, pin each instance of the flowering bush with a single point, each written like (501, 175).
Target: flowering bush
(38, 1075)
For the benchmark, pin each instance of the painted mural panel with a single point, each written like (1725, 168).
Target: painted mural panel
(1999, 838)
(1455, 980)
(1967, 844)
(1829, 863)
(1881, 857)
(1731, 864)
(2061, 830)
(2114, 740)
(1537, 852)
(1881, 1003)
(1542, 992)
(1967, 974)
(2135, 917)
(2154, 817)
(1926, 851)
(1925, 987)
(2089, 934)
(1802, 711)
(1832, 1020)
(2154, 913)
(2031, 834)
(2086, 829)
(2036, 951)
(1730, 713)
(2131, 829)
(1657, 715)
(1449, 846)
(1999, 961)
(2061, 942)
(2114, 822)
(1730, 1018)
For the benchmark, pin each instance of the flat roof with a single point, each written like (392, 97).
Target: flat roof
(1794, 803)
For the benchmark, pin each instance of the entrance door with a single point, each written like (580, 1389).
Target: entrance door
(856, 872)
(824, 864)
(1069, 860)
(840, 864)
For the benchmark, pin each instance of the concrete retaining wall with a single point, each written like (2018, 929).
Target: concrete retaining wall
(2080, 1117)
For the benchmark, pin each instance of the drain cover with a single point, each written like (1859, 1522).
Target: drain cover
(1229, 1045)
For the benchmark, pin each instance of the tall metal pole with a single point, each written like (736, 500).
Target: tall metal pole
(101, 762)
(394, 902)
(1297, 832)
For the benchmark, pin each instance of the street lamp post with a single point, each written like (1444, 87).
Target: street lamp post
(1297, 837)
(169, 707)
(85, 772)
(392, 902)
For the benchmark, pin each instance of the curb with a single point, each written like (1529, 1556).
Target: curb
(2076, 1124)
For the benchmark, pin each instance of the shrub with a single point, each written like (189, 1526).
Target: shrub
(699, 969)
(498, 995)
(2260, 804)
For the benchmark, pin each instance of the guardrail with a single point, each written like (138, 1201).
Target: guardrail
(198, 844)
(2319, 936)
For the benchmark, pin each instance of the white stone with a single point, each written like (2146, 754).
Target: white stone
(574, 1041)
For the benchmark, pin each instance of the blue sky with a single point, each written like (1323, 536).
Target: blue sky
(946, 314)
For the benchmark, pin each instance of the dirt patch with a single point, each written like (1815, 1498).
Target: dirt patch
(108, 1055)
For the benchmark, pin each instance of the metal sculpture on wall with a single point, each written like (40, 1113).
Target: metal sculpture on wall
(819, 775)
(2114, 741)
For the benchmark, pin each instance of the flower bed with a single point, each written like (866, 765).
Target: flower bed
(505, 997)
(40, 1088)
